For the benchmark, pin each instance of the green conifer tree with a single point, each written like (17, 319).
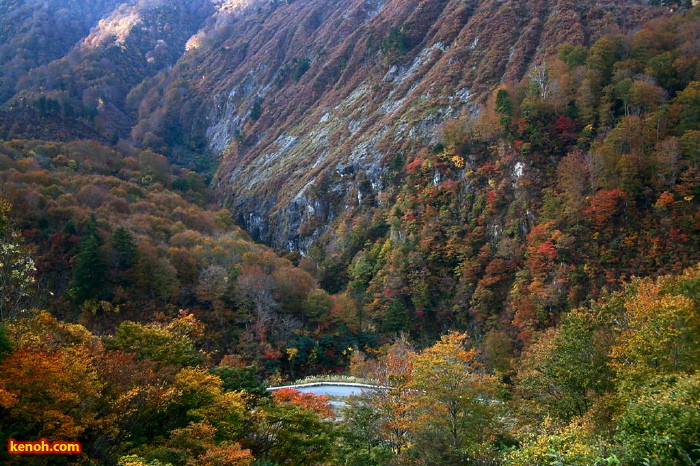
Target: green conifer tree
(91, 270)
(396, 318)
(124, 247)
(504, 107)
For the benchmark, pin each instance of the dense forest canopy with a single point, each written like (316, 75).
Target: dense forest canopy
(521, 273)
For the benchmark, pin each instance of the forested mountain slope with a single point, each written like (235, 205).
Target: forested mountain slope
(120, 234)
(313, 97)
(291, 94)
(490, 207)
(483, 165)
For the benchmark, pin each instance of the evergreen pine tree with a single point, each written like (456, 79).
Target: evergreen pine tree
(124, 247)
(91, 271)
(396, 318)
(504, 107)
(69, 228)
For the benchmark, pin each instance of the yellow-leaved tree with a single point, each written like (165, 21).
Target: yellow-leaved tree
(659, 333)
(655, 357)
(453, 403)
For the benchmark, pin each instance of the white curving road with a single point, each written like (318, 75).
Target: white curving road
(332, 389)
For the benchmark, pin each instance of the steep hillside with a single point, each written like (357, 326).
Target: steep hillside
(427, 194)
(30, 123)
(447, 165)
(312, 97)
(489, 209)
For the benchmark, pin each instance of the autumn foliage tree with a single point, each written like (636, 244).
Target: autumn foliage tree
(453, 405)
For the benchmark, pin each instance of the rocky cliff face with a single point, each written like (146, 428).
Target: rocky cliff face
(308, 102)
